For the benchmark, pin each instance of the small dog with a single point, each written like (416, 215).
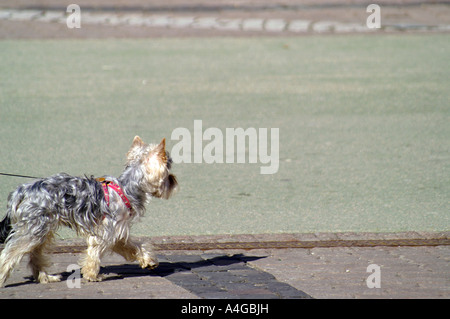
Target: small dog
(101, 210)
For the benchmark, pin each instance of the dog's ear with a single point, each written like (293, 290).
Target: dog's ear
(134, 151)
(160, 151)
(137, 141)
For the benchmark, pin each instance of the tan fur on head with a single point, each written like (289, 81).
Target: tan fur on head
(139, 151)
(156, 163)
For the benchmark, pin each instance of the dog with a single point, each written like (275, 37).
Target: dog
(101, 210)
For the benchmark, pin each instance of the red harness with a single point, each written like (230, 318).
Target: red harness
(116, 188)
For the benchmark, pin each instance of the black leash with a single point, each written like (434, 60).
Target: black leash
(17, 175)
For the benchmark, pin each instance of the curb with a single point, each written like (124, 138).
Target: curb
(277, 241)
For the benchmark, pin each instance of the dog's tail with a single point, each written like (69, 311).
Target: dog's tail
(5, 229)
(14, 200)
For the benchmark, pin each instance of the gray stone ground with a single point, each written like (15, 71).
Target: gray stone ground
(338, 272)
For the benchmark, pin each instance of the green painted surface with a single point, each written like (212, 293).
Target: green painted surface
(364, 126)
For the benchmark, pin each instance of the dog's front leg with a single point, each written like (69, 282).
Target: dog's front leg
(91, 262)
(132, 251)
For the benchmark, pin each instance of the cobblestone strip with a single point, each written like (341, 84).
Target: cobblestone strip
(224, 276)
(248, 25)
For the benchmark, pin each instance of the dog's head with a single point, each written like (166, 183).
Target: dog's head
(155, 162)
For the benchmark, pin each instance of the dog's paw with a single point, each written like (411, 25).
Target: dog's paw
(91, 274)
(94, 278)
(45, 278)
(149, 262)
(151, 266)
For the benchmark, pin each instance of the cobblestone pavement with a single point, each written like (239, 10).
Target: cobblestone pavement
(115, 18)
(338, 272)
(216, 23)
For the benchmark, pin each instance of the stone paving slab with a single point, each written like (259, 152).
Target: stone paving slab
(406, 272)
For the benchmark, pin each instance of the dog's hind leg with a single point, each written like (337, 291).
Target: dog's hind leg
(16, 247)
(38, 262)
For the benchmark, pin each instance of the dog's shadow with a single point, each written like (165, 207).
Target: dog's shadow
(168, 267)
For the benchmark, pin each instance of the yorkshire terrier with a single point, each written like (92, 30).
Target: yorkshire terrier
(101, 210)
